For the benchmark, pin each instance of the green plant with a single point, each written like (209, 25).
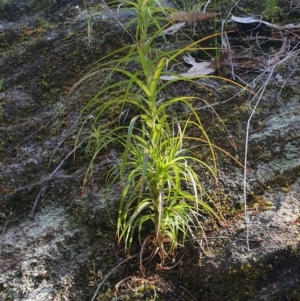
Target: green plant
(45, 24)
(161, 188)
(162, 195)
(90, 11)
(271, 10)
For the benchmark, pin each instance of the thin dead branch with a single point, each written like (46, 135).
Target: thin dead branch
(46, 183)
(42, 182)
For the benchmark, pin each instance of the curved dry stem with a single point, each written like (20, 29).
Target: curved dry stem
(109, 273)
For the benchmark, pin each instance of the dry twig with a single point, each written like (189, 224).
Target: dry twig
(49, 178)
(109, 273)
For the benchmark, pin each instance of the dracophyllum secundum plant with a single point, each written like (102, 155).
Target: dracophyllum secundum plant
(160, 187)
(161, 191)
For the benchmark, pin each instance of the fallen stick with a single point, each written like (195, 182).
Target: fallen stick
(49, 178)
(41, 182)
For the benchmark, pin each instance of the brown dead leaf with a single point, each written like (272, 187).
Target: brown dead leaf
(197, 69)
(190, 17)
(3, 190)
(202, 68)
(174, 28)
(224, 59)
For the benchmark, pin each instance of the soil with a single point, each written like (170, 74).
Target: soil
(57, 240)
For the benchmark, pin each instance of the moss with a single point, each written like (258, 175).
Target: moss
(250, 280)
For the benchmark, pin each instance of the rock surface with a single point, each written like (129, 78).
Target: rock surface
(68, 246)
